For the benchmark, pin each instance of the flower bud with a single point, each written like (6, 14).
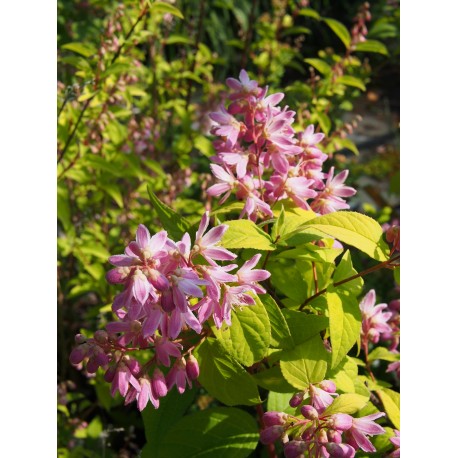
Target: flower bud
(78, 354)
(271, 434)
(309, 412)
(328, 386)
(80, 339)
(294, 449)
(109, 374)
(322, 437)
(297, 399)
(192, 367)
(159, 384)
(340, 421)
(101, 336)
(340, 450)
(274, 418)
(334, 436)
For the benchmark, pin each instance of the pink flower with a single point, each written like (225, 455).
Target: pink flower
(247, 276)
(229, 127)
(206, 245)
(374, 320)
(243, 87)
(363, 427)
(396, 441)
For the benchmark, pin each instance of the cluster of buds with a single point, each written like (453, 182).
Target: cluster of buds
(142, 136)
(359, 29)
(262, 160)
(170, 288)
(316, 432)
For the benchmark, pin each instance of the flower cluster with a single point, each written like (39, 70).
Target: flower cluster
(163, 284)
(316, 432)
(262, 160)
(379, 324)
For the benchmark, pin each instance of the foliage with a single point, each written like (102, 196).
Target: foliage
(136, 84)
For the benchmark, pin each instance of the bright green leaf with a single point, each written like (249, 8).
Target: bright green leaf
(164, 8)
(221, 431)
(339, 29)
(85, 49)
(243, 233)
(372, 46)
(272, 379)
(344, 323)
(280, 333)
(248, 338)
(305, 364)
(279, 402)
(173, 223)
(382, 353)
(351, 81)
(345, 270)
(391, 402)
(356, 229)
(322, 66)
(348, 403)
(223, 377)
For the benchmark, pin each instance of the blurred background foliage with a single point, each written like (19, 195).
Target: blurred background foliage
(136, 81)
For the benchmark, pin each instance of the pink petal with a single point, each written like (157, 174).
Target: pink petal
(142, 236)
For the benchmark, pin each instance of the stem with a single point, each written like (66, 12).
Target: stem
(315, 277)
(346, 280)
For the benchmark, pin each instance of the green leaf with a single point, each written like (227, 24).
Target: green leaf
(158, 421)
(309, 12)
(280, 333)
(311, 252)
(95, 249)
(163, 8)
(221, 431)
(382, 353)
(248, 338)
(304, 327)
(305, 364)
(296, 30)
(351, 81)
(204, 145)
(397, 275)
(339, 29)
(372, 46)
(85, 49)
(324, 121)
(322, 66)
(344, 323)
(272, 379)
(178, 39)
(173, 223)
(391, 402)
(356, 229)
(243, 233)
(345, 270)
(114, 192)
(346, 143)
(279, 402)
(278, 225)
(348, 403)
(223, 377)
(234, 207)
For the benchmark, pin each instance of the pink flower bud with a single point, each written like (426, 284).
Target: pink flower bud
(101, 336)
(297, 399)
(309, 412)
(294, 449)
(274, 418)
(271, 434)
(340, 450)
(328, 386)
(159, 384)
(109, 374)
(322, 437)
(80, 339)
(78, 354)
(192, 367)
(334, 436)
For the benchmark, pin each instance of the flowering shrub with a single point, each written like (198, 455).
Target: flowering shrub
(182, 296)
(244, 285)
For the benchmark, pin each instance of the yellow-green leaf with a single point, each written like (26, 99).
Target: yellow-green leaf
(356, 229)
(348, 403)
(244, 233)
(339, 29)
(391, 402)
